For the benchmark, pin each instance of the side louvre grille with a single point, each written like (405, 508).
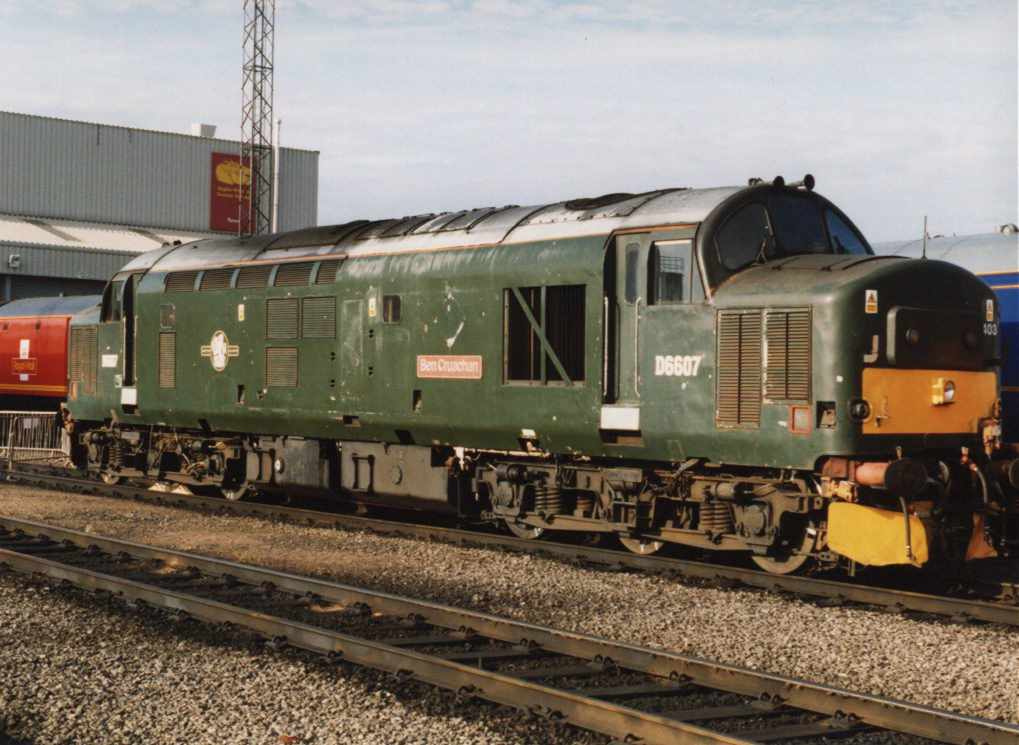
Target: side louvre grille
(83, 353)
(739, 369)
(253, 276)
(281, 316)
(787, 377)
(167, 359)
(280, 367)
(318, 318)
(327, 271)
(293, 275)
(216, 279)
(181, 281)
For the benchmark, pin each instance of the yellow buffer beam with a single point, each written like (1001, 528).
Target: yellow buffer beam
(903, 401)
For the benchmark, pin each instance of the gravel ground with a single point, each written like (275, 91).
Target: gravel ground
(970, 669)
(73, 671)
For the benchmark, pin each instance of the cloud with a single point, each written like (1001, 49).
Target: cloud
(423, 106)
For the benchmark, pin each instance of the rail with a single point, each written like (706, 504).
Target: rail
(1004, 611)
(566, 677)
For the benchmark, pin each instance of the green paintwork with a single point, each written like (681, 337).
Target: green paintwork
(452, 303)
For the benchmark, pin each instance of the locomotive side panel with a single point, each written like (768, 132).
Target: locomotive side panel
(408, 348)
(448, 356)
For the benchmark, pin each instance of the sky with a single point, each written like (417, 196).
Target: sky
(899, 109)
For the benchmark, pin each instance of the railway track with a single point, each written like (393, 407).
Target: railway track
(628, 693)
(1002, 609)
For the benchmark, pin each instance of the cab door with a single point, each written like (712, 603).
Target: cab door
(625, 298)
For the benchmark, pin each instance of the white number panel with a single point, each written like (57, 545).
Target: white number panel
(678, 365)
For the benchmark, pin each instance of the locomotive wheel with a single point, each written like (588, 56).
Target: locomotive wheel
(234, 494)
(523, 530)
(110, 478)
(642, 546)
(799, 560)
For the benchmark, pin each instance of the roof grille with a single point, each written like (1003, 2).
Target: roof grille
(293, 275)
(181, 281)
(253, 276)
(327, 272)
(216, 279)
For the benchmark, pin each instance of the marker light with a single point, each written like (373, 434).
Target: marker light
(942, 391)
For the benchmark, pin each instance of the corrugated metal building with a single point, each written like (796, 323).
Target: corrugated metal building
(78, 199)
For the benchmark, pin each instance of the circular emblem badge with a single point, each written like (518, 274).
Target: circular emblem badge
(219, 351)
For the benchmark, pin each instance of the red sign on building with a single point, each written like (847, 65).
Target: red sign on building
(229, 177)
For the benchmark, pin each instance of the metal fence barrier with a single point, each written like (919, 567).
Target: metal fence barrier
(32, 435)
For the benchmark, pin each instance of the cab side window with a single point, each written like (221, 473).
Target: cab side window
(632, 264)
(672, 274)
(113, 301)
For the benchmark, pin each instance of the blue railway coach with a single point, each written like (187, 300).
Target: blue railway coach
(994, 257)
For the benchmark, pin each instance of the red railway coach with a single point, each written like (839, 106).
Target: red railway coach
(33, 350)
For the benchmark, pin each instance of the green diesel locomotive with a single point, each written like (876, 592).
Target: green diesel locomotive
(730, 369)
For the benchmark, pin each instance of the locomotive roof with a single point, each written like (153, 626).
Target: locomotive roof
(449, 230)
(985, 253)
(48, 306)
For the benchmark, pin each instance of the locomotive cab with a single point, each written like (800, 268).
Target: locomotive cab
(852, 366)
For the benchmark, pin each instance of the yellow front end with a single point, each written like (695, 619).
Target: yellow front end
(919, 402)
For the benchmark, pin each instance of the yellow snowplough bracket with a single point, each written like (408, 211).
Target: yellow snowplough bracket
(876, 537)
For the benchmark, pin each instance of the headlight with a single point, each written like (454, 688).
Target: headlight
(949, 391)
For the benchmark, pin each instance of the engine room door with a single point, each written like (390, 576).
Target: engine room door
(357, 347)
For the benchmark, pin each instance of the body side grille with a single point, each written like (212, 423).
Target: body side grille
(167, 359)
(318, 318)
(84, 356)
(787, 377)
(281, 318)
(281, 367)
(738, 396)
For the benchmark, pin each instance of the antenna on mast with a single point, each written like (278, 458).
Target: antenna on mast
(259, 41)
(924, 256)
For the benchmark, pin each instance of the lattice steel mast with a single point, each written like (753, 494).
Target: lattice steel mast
(256, 116)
